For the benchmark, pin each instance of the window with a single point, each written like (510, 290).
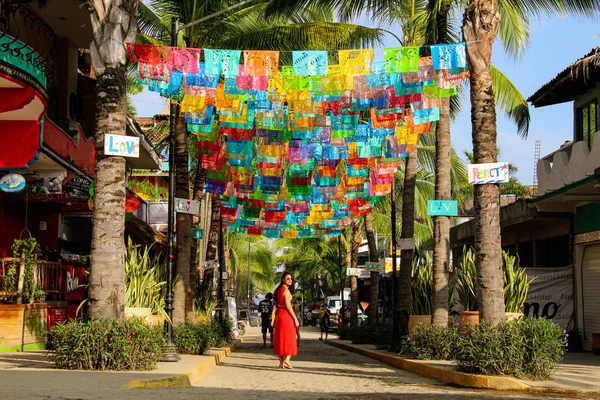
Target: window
(587, 123)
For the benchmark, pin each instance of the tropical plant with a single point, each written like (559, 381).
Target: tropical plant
(204, 304)
(516, 283)
(466, 281)
(145, 279)
(25, 255)
(113, 24)
(421, 287)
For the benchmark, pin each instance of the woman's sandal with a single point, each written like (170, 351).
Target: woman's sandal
(287, 366)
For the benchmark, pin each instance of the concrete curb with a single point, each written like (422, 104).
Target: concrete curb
(185, 380)
(454, 377)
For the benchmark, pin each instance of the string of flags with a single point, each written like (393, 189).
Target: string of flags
(302, 150)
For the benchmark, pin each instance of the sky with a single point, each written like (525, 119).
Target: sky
(554, 45)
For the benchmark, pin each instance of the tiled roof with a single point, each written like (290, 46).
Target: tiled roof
(571, 82)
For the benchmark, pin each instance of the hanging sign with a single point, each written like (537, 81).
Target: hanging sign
(373, 266)
(197, 233)
(480, 174)
(358, 272)
(445, 208)
(186, 206)
(12, 183)
(124, 146)
(406, 244)
(78, 188)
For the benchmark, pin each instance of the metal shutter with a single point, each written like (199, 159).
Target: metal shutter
(591, 288)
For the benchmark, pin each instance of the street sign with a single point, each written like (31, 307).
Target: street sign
(406, 244)
(197, 233)
(358, 272)
(186, 206)
(488, 173)
(445, 208)
(124, 146)
(373, 266)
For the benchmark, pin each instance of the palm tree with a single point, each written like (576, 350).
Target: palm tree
(113, 24)
(357, 230)
(373, 257)
(482, 21)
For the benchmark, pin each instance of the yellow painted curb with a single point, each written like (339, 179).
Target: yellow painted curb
(185, 380)
(438, 373)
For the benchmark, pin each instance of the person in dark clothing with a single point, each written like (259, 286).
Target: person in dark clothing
(324, 322)
(266, 310)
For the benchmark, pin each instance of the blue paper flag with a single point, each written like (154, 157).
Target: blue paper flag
(448, 56)
(310, 63)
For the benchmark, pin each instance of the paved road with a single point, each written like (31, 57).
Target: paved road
(321, 372)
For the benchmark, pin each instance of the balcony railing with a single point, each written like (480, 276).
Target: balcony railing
(50, 276)
(28, 40)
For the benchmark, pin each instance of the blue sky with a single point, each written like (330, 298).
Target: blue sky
(554, 45)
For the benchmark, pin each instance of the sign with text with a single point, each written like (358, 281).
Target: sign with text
(550, 294)
(406, 244)
(12, 183)
(373, 266)
(480, 174)
(442, 208)
(124, 146)
(197, 233)
(186, 206)
(78, 188)
(358, 272)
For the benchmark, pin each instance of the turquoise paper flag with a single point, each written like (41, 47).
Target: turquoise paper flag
(226, 62)
(310, 63)
(448, 56)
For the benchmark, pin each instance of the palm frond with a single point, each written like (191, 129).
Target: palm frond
(511, 101)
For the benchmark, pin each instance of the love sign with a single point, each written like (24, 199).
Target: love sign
(488, 173)
(124, 146)
(186, 206)
(442, 208)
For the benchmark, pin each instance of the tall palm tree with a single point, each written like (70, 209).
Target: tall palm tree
(374, 279)
(483, 20)
(113, 24)
(243, 28)
(357, 230)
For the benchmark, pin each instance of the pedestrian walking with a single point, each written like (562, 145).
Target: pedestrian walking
(286, 322)
(343, 317)
(324, 322)
(266, 309)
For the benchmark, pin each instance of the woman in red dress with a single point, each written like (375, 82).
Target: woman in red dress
(284, 336)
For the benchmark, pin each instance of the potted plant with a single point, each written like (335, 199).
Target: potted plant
(421, 292)
(516, 286)
(465, 282)
(25, 256)
(145, 284)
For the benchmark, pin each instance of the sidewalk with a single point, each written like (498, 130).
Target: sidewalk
(181, 374)
(578, 374)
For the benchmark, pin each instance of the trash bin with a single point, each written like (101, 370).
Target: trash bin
(253, 320)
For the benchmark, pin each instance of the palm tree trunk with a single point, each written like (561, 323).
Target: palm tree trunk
(480, 28)
(441, 227)
(197, 194)
(213, 234)
(106, 290)
(183, 298)
(408, 231)
(356, 240)
(373, 257)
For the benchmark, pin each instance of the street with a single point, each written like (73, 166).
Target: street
(320, 372)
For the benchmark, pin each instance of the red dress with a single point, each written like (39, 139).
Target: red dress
(284, 335)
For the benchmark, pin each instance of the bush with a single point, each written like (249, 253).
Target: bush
(383, 336)
(106, 345)
(523, 348)
(345, 333)
(431, 342)
(197, 338)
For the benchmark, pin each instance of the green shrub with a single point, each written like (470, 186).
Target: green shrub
(523, 348)
(345, 333)
(103, 344)
(197, 338)
(383, 336)
(431, 342)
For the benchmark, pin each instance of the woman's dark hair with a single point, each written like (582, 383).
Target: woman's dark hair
(282, 283)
